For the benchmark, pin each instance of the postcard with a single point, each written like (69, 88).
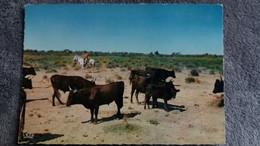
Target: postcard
(122, 74)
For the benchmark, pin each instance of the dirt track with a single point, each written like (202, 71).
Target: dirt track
(201, 123)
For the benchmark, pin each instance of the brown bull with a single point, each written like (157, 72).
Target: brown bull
(92, 98)
(63, 83)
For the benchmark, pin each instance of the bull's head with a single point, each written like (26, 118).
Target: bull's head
(173, 73)
(175, 92)
(70, 97)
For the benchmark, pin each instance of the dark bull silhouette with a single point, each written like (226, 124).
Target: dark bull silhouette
(28, 71)
(92, 98)
(139, 84)
(218, 86)
(60, 82)
(165, 92)
(137, 73)
(26, 84)
(160, 74)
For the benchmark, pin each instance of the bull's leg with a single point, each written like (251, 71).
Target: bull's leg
(154, 101)
(166, 105)
(58, 97)
(96, 114)
(53, 98)
(118, 111)
(57, 94)
(136, 96)
(132, 93)
(146, 101)
(92, 113)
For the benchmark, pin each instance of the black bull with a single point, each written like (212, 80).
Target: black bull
(160, 74)
(64, 83)
(166, 92)
(92, 98)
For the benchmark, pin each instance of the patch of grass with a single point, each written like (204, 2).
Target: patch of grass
(130, 107)
(122, 70)
(123, 128)
(189, 80)
(109, 81)
(212, 72)
(118, 77)
(77, 68)
(154, 122)
(87, 76)
(103, 70)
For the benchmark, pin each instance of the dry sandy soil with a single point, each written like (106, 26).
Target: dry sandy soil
(202, 122)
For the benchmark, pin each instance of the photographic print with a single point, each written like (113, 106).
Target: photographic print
(122, 74)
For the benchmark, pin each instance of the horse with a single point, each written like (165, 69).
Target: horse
(91, 62)
(82, 63)
(80, 60)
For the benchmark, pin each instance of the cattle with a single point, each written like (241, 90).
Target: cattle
(61, 82)
(28, 71)
(139, 84)
(166, 92)
(27, 83)
(218, 86)
(160, 74)
(137, 73)
(92, 98)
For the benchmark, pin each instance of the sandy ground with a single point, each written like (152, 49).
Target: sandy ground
(202, 122)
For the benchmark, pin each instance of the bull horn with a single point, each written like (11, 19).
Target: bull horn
(32, 76)
(70, 88)
(27, 76)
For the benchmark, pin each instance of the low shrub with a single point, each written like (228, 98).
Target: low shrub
(118, 77)
(123, 128)
(109, 81)
(194, 72)
(87, 76)
(189, 80)
(154, 122)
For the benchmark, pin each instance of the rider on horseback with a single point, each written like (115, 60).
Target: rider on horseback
(85, 57)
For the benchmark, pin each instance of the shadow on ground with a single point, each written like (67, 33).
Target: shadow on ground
(30, 100)
(114, 117)
(171, 107)
(39, 137)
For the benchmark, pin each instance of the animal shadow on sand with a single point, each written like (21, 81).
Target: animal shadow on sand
(171, 107)
(30, 100)
(105, 119)
(40, 137)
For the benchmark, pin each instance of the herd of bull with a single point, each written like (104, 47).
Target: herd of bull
(151, 82)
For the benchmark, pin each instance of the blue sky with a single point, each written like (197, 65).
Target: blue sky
(142, 28)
